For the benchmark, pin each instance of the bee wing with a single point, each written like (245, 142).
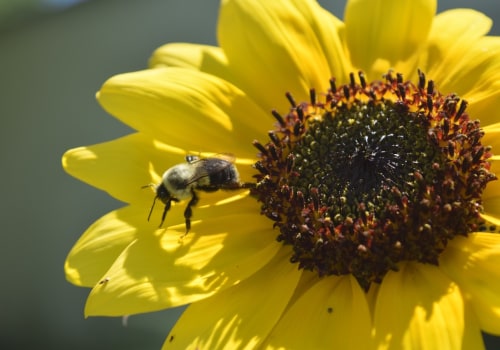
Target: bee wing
(228, 157)
(208, 166)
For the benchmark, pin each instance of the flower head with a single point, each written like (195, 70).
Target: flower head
(367, 219)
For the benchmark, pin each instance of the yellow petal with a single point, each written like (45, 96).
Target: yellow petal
(242, 316)
(100, 245)
(328, 30)
(452, 33)
(474, 74)
(186, 108)
(492, 192)
(460, 59)
(279, 46)
(491, 195)
(492, 136)
(492, 211)
(109, 235)
(105, 239)
(481, 79)
(419, 307)
(381, 33)
(332, 314)
(473, 263)
(165, 269)
(491, 204)
(122, 166)
(205, 58)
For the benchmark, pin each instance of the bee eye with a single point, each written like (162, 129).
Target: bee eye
(190, 158)
(162, 193)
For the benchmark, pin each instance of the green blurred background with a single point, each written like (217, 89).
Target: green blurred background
(54, 56)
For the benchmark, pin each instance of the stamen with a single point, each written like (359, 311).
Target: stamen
(279, 118)
(399, 78)
(261, 148)
(274, 138)
(333, 87)
(291, 100)
(430, 88)
(421, 80)
(461, 110)
(312, 97)
(353, 80)
(346, 92)
(381, 173)
(300, 113)
(362, 79)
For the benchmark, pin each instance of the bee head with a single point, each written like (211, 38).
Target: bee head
(162, 194)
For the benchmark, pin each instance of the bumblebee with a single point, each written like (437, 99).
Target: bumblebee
(182, 181)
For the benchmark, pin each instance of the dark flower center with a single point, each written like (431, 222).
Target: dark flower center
(373, 175)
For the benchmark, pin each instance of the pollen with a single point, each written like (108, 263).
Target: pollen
(367, 175)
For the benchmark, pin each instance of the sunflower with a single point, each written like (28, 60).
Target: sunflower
(366, 210)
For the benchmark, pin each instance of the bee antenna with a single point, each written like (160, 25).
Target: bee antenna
(150, 185)
(152, 207)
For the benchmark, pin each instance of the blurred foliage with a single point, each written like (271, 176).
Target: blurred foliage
(15, 12)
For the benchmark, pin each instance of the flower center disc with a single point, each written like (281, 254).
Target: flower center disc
(373, 175)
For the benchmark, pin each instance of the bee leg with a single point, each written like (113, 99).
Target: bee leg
(164, 215)
(189, 211)
(250, 185)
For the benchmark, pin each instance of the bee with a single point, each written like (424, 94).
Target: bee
(182, 181)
